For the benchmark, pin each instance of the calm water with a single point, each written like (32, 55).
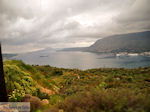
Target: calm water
(83, 60)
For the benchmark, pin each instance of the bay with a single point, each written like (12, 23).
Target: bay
(83, 60)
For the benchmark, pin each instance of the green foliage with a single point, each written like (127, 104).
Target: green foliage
(110, 100)
(57, 72)
(18, 81)
(16, 95)
(41, 95)
(55, 99)
(102, 85)
(94, 90)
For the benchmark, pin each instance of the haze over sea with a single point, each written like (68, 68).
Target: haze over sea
(83, 60)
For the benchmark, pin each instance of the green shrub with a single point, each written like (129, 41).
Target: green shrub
(16, 95)
(55, 99)
(110, 100)
(41, 95)
(18, 81)
(57, 72)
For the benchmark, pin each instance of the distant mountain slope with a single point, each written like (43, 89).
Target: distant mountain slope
(74, 49)
(133, 42)
(8, 55)
(40, 53)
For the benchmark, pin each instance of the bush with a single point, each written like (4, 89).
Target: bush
(57, 72)
(35, 102)
(41, 95)
(55, 99)
(110, 100)
(16, 95)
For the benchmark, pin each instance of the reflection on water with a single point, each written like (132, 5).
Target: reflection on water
(83, 60)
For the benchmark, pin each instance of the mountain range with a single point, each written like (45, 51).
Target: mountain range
(132, 42)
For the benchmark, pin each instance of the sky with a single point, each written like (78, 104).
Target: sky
(29, 25)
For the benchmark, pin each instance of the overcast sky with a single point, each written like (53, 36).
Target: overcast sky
(27, 25)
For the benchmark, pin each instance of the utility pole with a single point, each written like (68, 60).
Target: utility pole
(3, 91)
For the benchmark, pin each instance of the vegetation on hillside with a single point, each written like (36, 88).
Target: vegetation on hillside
(73, 90)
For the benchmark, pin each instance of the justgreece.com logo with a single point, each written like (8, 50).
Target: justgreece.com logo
(14, 106)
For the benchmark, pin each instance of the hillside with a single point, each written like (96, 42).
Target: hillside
(133, 42)
(74, 49)
(8, 55)
(73, 90)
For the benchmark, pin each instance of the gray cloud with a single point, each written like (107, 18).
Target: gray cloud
(27, 25)
(136, 17)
